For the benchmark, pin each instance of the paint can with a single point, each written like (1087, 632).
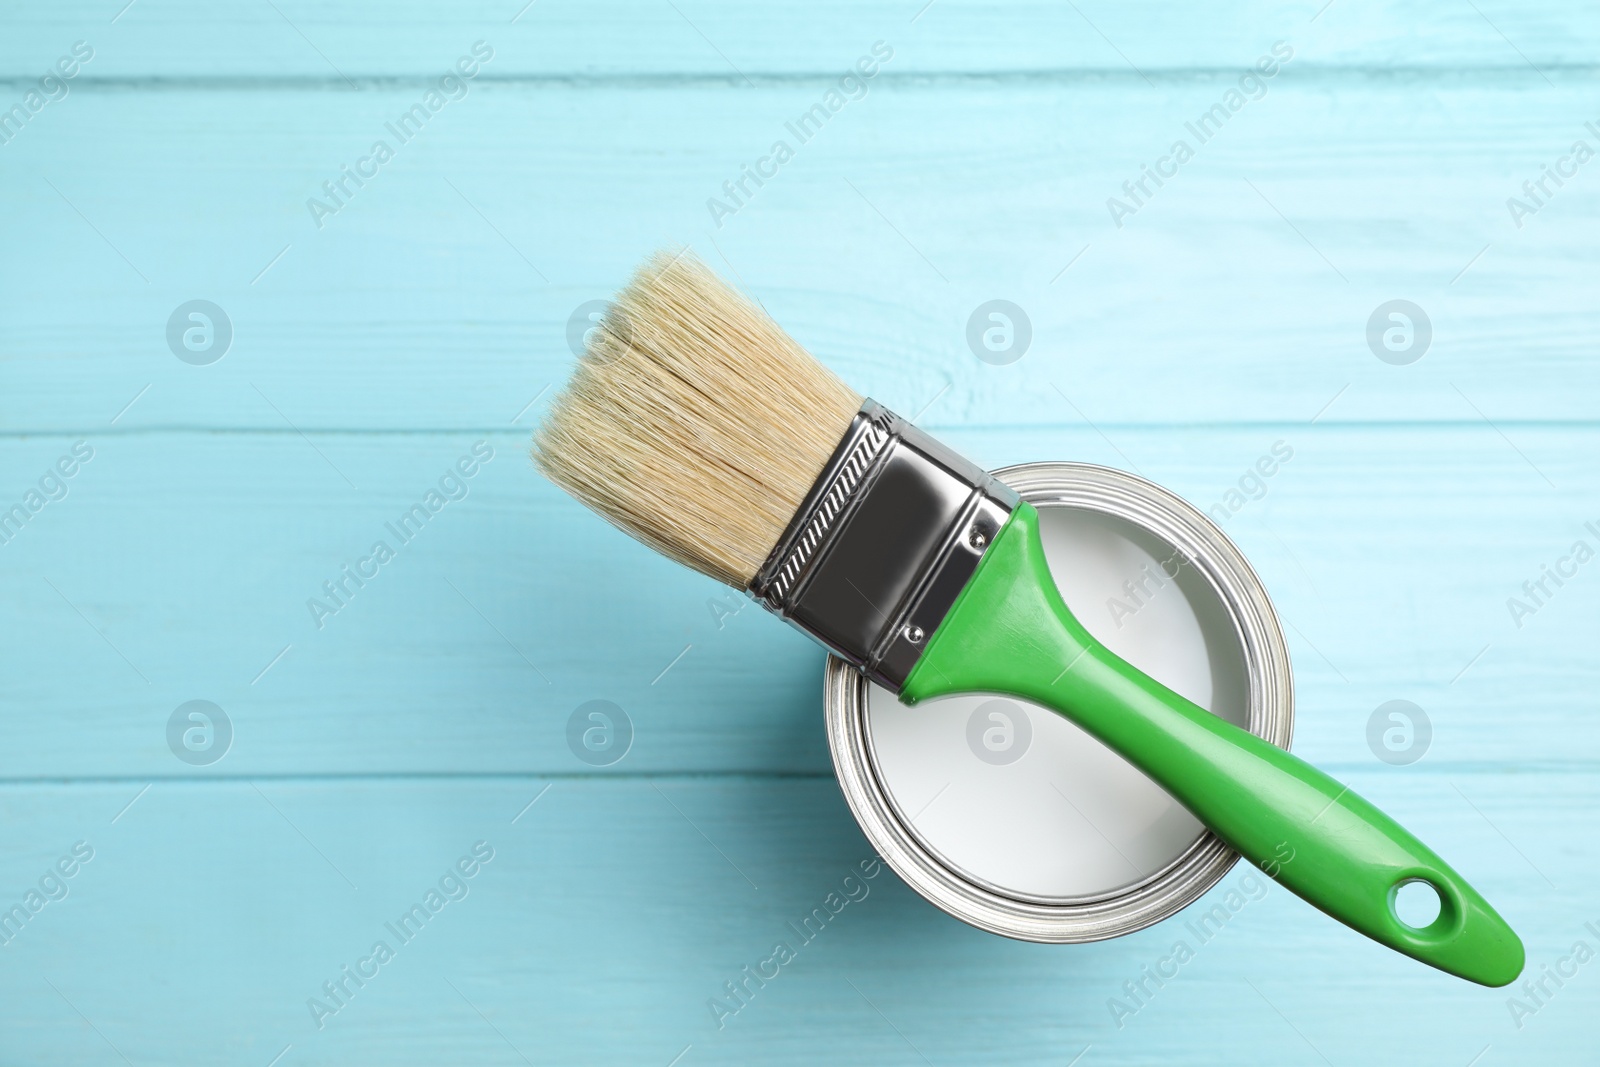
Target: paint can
(1012, 819)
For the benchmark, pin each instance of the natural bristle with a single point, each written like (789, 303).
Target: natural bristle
(693, 421)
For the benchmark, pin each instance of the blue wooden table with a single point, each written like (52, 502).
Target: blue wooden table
(393, 216)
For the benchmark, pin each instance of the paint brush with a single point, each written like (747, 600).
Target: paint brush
(697, 425)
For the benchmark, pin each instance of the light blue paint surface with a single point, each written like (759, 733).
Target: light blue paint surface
(430, 313)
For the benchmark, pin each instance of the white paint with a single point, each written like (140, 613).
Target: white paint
(1069, 819)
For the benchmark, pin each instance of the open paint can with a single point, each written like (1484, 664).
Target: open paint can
(1013, 819)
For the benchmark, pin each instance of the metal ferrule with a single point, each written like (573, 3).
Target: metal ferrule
(884, 543)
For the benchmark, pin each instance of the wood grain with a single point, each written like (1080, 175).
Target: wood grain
(1241, 292)
(179, 566)
(637, 39)
(612, 912)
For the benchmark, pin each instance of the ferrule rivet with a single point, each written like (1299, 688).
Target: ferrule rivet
(978, 539)
(914, 634)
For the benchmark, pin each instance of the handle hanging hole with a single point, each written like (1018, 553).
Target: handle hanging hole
(1416, 903)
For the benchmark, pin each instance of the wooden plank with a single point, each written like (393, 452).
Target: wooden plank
(633, 39)
(612, 912)
(440, 295)
(180, 566)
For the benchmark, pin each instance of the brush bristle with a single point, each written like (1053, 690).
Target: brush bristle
(693, 422)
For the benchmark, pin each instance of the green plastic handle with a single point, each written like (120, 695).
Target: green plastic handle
(1011, 633)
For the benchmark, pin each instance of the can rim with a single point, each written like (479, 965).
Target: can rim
(1202, 865)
